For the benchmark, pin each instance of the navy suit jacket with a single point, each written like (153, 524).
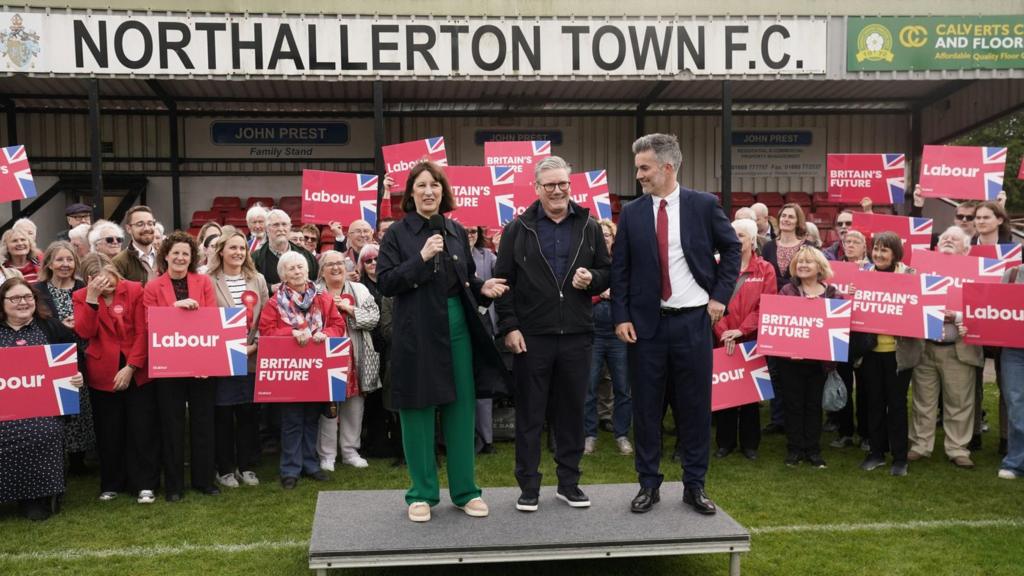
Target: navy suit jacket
(636, 270)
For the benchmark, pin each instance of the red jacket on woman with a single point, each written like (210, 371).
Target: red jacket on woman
(160, 291)
(745, 306)
(112, 330)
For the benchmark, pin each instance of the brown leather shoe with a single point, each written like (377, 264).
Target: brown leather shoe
(914, 456)
(962, 462)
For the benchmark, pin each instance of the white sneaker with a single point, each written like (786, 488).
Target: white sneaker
(146, 497)
(227, 480)
(248, 478)
(589, 445)
(356, 462)
(327, 465)
(625, 448)
(1006, 474)
(107, 496)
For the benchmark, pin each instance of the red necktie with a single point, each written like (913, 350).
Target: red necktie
(662, 232)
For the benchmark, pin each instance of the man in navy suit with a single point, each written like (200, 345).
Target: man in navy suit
(667, 292)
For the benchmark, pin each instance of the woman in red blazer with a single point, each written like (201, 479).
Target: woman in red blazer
(297, 310)
(757, 277)
(180, 286)
(110, 317)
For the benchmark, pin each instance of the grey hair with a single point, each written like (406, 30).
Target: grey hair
(959, 232)
(745, 225)
(255, 210)
(745, 213)
(80, 232)
(551, 163)
(665, 147)
(278, 214)
(286, 260)
(97, 232)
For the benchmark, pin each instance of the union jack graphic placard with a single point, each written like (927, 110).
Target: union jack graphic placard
(287, 372)
(399, 159)
(741, 378)
(341, 197)
(15, 175)
(35, 381)
(880, 177)
(590, 190)
(962, 172)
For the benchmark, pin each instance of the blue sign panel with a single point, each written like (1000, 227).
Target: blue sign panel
(773, 138)
(553, 136)
(309, 133)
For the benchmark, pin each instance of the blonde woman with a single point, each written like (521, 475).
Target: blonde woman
(18, 251)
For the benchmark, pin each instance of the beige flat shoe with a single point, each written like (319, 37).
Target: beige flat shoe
(419, 512)
(476, 508)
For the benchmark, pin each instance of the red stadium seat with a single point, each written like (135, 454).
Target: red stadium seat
(200, 217)
(770, 199)
(290, 203)
(226, 203)
(194, 231)
(824, 215)
(801, 198)
(237, 222)
(265, 201)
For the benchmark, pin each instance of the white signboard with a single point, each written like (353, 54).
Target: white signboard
(367, 46)
(775, 153)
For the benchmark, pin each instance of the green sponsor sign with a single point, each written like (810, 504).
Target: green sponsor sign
(935, 43)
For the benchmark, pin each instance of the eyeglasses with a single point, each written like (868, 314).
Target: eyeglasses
(81, 217)
(19, 299)
(965, 217)
(844, 224)
(332, 264)
(113, 239)
(144, 224)
(550, 187)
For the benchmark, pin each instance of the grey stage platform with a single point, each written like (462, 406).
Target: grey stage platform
(370, 528)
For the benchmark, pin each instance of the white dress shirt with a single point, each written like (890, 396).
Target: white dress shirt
(686, 293)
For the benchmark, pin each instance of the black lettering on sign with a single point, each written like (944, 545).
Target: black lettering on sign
(650, 38)
(284, 36)
(211, 29)
(377, 46)
(519, 45)
(84, 40)
(574, 32)
(412, 47)
(766, 38)
(620, 54)
(695, 52)
(731, 46)
(478, 57)
(315, 64)
(177, 46)
(237, 45)
(346, 64)
(119, 43)
(454, 32)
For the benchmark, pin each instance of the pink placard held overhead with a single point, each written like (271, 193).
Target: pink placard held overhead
(809, 328)
(35, 381)
(484, 195)
(339, 197)
(741, 378)
(287, 372)
(590, 190)
(522, 156)
(916, 233)
(897, 304)
(880, 177)
(399, 159)
(15, 176)
(203, 342)
(962, 172)
(962, 269)
(994, 314)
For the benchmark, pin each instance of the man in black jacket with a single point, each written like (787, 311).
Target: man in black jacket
(554, 259)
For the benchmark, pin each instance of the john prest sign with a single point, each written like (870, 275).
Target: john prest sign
(402, 46)
(324, 139)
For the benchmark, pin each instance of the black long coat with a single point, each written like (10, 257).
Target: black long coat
(421, 360)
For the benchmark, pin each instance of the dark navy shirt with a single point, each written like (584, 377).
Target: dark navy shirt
(555, 240)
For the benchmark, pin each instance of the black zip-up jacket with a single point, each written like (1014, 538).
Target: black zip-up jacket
(537, 303)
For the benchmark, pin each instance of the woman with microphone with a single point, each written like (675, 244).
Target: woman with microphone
(425, 264)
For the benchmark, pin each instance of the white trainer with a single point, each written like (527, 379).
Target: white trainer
(248, 478)
(146, 497)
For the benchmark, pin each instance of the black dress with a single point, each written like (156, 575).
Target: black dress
(31, 450)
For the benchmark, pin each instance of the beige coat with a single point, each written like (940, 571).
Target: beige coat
(258, 285)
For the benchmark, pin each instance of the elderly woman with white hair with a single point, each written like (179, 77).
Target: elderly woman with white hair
(299, 311)
(357, 306)
(106, 238)
(29, 228)
(79, 238)
(739, 324)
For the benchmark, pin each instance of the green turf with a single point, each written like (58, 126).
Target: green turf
(270, 528)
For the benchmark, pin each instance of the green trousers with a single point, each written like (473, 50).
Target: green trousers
(458, 421)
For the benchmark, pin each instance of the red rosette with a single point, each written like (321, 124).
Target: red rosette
(249, 299)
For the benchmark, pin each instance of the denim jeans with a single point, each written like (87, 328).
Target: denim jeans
(299, 429)
(612, 351)
(1013, 391)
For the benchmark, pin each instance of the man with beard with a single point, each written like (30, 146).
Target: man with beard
(137, 261)
(279, 226)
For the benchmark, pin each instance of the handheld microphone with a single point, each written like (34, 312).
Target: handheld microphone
(437, 227)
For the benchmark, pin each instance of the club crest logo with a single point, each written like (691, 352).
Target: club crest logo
(18, 44)
(874, 44)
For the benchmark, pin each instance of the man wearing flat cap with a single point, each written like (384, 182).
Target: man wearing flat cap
(76, 214)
